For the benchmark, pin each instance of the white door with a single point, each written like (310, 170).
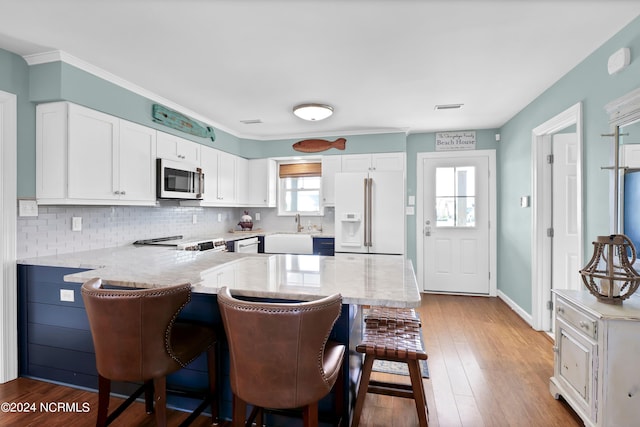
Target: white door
(455, 230)
(565, 229)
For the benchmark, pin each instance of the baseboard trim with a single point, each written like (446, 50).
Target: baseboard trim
(515, 307)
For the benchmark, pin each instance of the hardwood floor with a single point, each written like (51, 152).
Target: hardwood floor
(487, 368)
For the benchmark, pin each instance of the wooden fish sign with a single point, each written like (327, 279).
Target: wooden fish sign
(318, 145)
(179, 121)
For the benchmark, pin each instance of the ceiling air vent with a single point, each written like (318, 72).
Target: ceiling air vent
(448, 106)
(251, 121)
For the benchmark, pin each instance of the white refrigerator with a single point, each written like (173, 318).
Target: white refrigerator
(369, 212)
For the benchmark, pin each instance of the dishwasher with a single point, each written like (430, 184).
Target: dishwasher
(246, 246)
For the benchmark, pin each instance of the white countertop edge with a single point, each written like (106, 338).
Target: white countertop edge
(392, 282)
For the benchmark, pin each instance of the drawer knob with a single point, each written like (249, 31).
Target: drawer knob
(561, 309)
(584, 325)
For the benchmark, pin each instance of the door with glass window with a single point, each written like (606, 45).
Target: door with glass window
(455, 230)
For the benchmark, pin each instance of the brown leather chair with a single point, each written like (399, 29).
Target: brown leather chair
(280, 354)
(137, 339)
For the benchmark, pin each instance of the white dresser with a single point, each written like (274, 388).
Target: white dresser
(597, 358)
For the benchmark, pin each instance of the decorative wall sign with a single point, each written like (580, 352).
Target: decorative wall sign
(318, 145)
(179, 121)
(454, 141)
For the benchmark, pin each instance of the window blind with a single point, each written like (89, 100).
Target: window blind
(299, 170)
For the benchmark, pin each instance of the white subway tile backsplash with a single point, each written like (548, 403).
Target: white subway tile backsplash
(104, 226)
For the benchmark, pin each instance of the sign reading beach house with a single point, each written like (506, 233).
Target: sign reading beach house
(454, 141)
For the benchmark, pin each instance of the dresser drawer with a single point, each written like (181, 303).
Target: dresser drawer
(578, 319)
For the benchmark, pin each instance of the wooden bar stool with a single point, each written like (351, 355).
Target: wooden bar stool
(397, 341)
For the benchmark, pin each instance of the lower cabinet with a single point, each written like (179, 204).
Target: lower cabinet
(55, 342)
(324, 246)
(596, 347)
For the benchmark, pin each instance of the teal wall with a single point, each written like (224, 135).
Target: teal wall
(356, 144)
(14, 78)
(590, 84)
(57, 81)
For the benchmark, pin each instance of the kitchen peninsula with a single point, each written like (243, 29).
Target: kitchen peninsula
(55, 342)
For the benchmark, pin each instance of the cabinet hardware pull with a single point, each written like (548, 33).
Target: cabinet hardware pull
(561, 310)
(584, 324)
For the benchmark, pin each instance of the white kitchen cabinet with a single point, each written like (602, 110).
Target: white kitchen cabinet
(137, 162)
(380, 162)
(242, 188)
(220, 177)
(179, 149)
(88, 157)
(262, 183)
(596, 350)
(331, 165)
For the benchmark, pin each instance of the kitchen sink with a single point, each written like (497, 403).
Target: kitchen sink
(288, 243)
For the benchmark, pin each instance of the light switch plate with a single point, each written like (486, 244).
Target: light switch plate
(76, 223)
(410, 210)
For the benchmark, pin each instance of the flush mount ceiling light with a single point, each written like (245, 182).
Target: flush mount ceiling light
(313, 112)
(448, 106)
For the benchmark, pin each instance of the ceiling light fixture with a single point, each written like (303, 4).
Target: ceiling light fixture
(448, 106)
(313, 112)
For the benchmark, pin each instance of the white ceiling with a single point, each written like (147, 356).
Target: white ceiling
(382, 65)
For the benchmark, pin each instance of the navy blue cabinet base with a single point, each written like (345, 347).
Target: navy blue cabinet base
(55, 344)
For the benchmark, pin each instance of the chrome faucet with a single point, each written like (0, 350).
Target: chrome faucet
(300, 226)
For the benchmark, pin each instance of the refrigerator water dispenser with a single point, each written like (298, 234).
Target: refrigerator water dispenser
(351, 223)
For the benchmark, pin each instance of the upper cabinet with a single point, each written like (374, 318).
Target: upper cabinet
(380, 162)
(88, 157)
(175, 148)
(220, 177)
(331, 165)
(262, 182)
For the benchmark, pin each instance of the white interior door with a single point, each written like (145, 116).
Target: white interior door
(455, 232)
(565, 229)
(546, 213)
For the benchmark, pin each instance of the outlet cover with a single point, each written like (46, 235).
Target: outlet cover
(67, 295)
(27, 208)
(76, 223)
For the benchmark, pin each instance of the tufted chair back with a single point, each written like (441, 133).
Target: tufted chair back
(280, 353)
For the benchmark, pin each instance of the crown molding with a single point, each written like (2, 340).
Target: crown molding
(60, 56)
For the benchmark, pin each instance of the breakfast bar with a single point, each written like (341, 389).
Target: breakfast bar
(56, 344)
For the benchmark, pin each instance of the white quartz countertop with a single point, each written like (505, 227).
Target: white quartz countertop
(387, 280)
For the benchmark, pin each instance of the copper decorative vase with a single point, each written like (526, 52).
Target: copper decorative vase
(610, 275)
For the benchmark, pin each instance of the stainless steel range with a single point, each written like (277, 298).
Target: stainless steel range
(217, 244)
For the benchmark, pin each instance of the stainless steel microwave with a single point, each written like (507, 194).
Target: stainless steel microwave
(177, 180)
